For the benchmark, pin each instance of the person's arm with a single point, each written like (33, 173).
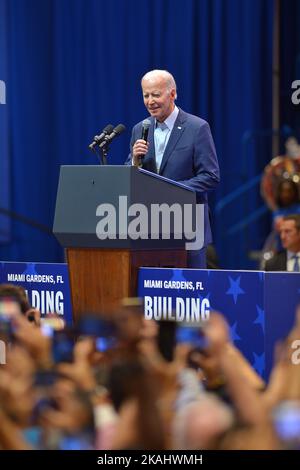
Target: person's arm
(206, 167)
(128, 161)
(245, 368)
(284, 382)
(247, 400)
(11, 437)
(277, 386)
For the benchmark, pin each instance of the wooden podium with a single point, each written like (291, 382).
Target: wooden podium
(104, 270)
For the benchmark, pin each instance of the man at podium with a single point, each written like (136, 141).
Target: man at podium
(176, 145)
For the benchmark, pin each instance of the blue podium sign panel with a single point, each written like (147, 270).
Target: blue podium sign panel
(259, 307)
(282, 297)
(46, 284)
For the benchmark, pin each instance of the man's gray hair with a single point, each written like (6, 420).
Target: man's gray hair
(167, 76)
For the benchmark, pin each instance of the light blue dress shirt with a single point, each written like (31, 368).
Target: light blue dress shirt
(162, 134)
(293, 261)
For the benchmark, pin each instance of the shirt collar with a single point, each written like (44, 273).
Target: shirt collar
(291, 254)
(170, 121)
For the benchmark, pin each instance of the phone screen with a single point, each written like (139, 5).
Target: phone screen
(62, 346)
(104, 344)
(95, 326)
(45, 378)
(286, 419)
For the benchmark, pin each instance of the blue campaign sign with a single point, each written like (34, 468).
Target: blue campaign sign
(282, 297)
(238, 295)
(46, 284)
(259, 307)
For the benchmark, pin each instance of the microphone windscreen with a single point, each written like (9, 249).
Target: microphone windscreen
(146, 123)
(145, 129)
(119, 129)
(108, 129)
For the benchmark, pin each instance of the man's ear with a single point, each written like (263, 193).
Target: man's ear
(173, 94)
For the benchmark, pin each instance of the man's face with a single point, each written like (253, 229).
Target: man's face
(290, 236)
(158, 100)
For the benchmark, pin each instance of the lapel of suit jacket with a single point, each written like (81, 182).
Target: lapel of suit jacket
(177, 131)
(151, 150)
(280, 261)
(283, 266)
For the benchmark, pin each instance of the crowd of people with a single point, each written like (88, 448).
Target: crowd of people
(108, 385)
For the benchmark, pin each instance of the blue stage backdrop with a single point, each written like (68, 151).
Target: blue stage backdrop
(289, 64)
(4, 155)
(75, 66)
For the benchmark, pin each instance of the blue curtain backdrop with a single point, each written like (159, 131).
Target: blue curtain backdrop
(4, 153)
(289, 65)
(75, 65)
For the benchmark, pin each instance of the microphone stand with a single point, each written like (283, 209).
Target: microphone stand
(101, 152)
(98, 155)
(102, 155)
(104, 145)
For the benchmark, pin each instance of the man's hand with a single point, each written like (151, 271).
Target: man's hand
(139, 149)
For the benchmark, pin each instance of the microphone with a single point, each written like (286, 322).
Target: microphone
(98, 138)
(145, 131)
(108, 138)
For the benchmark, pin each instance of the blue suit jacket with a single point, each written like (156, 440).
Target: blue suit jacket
(189, 157)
